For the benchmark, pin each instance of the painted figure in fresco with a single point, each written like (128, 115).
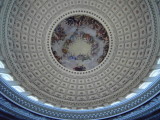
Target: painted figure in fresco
(56, 56)
(83, 57)
(58, 34)
(70, 21)
(66, 44)
(95, 48)
(74, 35)
(80, 68)
(72, 57)
(65, 51)
(87, 36)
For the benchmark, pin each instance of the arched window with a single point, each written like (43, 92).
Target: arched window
(33, 98)
(144, 85)
(18, 88)
(114, 103)
(130, 95)
(155, 73)
(48, 104)
(6, 76)
(1, 64)
(158, 62)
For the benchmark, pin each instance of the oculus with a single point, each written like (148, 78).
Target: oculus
(79, 43)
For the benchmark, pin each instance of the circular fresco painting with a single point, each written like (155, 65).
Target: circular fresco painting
(79, 43)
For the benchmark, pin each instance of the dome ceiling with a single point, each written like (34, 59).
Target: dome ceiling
(31, 46)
